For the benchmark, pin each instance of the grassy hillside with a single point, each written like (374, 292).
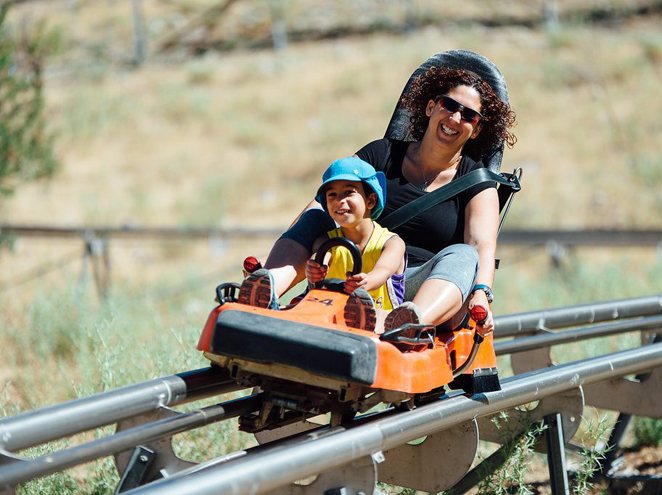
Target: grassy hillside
(240, 138)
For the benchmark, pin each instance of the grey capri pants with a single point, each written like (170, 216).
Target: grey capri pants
(457, 263)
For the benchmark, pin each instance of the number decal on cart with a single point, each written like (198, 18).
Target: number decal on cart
(326, 302)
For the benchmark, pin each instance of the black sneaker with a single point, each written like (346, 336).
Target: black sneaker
(360, 311)
(258, 290)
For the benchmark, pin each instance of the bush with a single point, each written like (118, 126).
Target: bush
(647, 431)
(26, 150)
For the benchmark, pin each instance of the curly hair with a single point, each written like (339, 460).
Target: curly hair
(497, 116)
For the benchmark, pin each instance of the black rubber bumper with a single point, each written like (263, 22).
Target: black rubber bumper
(321, 351)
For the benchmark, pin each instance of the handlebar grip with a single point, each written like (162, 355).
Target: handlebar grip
(479, 314)
(251, 264)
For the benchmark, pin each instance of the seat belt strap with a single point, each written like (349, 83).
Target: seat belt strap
(406, 212)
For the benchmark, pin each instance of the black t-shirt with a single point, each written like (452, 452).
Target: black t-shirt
(435, 228)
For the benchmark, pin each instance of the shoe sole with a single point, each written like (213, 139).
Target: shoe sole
(359, 311)
(396, 319)
(255, 291)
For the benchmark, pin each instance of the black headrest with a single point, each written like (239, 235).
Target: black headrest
(398, 127)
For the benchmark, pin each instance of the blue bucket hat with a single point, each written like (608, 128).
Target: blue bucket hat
(354, 169)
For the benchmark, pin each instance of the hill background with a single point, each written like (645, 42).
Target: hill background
(218, 129)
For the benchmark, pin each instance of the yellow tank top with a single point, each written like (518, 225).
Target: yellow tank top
(341, 262)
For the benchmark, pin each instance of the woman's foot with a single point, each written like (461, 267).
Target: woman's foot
(258, 290)
(360, 311)
(406, 313)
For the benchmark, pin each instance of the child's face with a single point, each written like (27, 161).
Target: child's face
(347, 201)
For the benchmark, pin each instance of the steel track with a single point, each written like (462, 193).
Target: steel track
(266, 468)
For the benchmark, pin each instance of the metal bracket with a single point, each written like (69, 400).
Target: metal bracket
(164, 461)
(639, 398)
(506, 425)
(421, 465)
(7, 457)
(134, 474)
(535, 359)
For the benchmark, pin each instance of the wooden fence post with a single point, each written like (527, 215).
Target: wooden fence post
(139, 39)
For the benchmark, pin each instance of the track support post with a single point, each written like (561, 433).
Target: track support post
(558, 473)
(136, 470)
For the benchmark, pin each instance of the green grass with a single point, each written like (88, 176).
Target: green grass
(242, 138)
(75, 345)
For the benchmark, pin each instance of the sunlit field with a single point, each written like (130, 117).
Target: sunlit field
(240, 138)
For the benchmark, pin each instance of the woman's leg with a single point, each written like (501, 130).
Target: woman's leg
(438, 301)
(440, 288)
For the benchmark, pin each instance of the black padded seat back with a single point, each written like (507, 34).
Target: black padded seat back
(398, 127)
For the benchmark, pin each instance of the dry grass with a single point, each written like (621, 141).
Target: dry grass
(186, 144)
(241, 138)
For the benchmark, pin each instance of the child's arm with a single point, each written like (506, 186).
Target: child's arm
(391, 261)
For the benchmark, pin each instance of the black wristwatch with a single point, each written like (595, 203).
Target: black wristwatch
(486, 289)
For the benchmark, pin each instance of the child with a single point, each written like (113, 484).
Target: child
(353, 194)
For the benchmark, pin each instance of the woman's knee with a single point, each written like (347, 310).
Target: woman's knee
(457, 264)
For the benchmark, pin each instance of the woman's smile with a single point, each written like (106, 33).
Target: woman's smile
(447, 130)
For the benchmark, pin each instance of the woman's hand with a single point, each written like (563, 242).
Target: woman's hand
(353, 282)
(315, 272)
(478, 298)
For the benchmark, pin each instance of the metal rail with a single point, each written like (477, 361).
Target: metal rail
(37, 427)
(546, 339)
(129, 231)
(534, 321)
(76, 416)
(50, 423)
(18, 472)
(276, 465)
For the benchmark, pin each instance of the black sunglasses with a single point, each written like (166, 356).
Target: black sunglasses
(466, 114)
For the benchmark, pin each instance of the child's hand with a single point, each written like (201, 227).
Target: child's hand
(353, 282)
(315, 272)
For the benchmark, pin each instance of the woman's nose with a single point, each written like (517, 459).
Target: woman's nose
(456, 116)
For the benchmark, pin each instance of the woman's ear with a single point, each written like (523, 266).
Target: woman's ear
(477, 130)
(430, 107)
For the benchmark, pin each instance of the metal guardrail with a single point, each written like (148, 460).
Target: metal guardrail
(53, 422)
(531, 322)
(143, 414)
(274, 466)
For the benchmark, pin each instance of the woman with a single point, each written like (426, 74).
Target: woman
(451, 246)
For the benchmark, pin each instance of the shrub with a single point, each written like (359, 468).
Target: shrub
(26, 150)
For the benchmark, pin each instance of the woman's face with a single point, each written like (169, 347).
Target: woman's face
(449, 128)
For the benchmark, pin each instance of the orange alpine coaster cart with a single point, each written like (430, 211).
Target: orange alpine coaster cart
(307, 360)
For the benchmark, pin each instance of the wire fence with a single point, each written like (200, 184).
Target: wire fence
(96, 263)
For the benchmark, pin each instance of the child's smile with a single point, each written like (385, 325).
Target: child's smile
(347, 202)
